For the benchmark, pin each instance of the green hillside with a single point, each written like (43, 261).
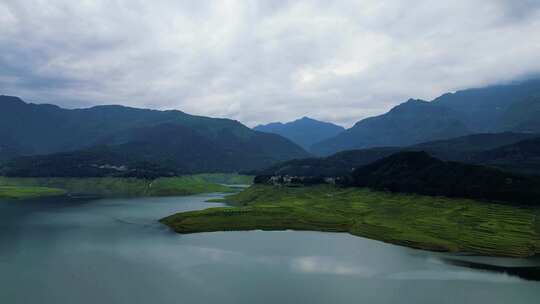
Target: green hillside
(17, 192)
(424, 222)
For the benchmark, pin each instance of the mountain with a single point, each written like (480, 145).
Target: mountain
(481, 109)
(522, 157)
(8, 151)
(409, 123)
(48, 128)
(464, 148)
(339, 164)
(187, 142)
(522, 115)
(477, 148)
(492, 109)
(94, 162)
(9, 147)
(418, 172)
(304, 132)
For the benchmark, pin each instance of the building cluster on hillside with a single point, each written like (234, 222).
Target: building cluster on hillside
(291, 181)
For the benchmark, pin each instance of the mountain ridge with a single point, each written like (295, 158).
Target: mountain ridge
(409, 123)
(304, 131)
(48, 129)
(492, 149)
(490, 109)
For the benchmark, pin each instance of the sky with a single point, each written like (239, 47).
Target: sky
(262, 61)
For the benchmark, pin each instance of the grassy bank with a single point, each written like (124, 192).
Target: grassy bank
(111, 186)
(10, 192)
(431, 223)
(226, 179)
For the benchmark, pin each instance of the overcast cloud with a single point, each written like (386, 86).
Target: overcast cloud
(261, 61)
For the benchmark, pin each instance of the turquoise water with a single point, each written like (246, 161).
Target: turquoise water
(115, 251)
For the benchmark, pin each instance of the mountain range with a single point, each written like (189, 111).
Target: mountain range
(516, 152)
(512, 107)
(304, 131)
(183, 142)
(467, 126)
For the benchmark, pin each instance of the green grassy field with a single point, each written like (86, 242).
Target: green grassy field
(110, 186)
(226, 178)
(431, 223)
(9, 192)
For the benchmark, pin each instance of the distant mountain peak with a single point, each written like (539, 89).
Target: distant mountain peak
(271, 124)
(304, 131)
(411, 104)
(303, 119)
(110, 107)
(416, 100)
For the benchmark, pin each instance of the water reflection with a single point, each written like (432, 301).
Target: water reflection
(328, 265)
(531, 273)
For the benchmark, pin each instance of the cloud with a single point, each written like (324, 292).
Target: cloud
(260, 61)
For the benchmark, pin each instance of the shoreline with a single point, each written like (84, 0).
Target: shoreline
(414, 221)
(15, 193)
(100, 187)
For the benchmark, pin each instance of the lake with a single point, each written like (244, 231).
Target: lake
(115, 251)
